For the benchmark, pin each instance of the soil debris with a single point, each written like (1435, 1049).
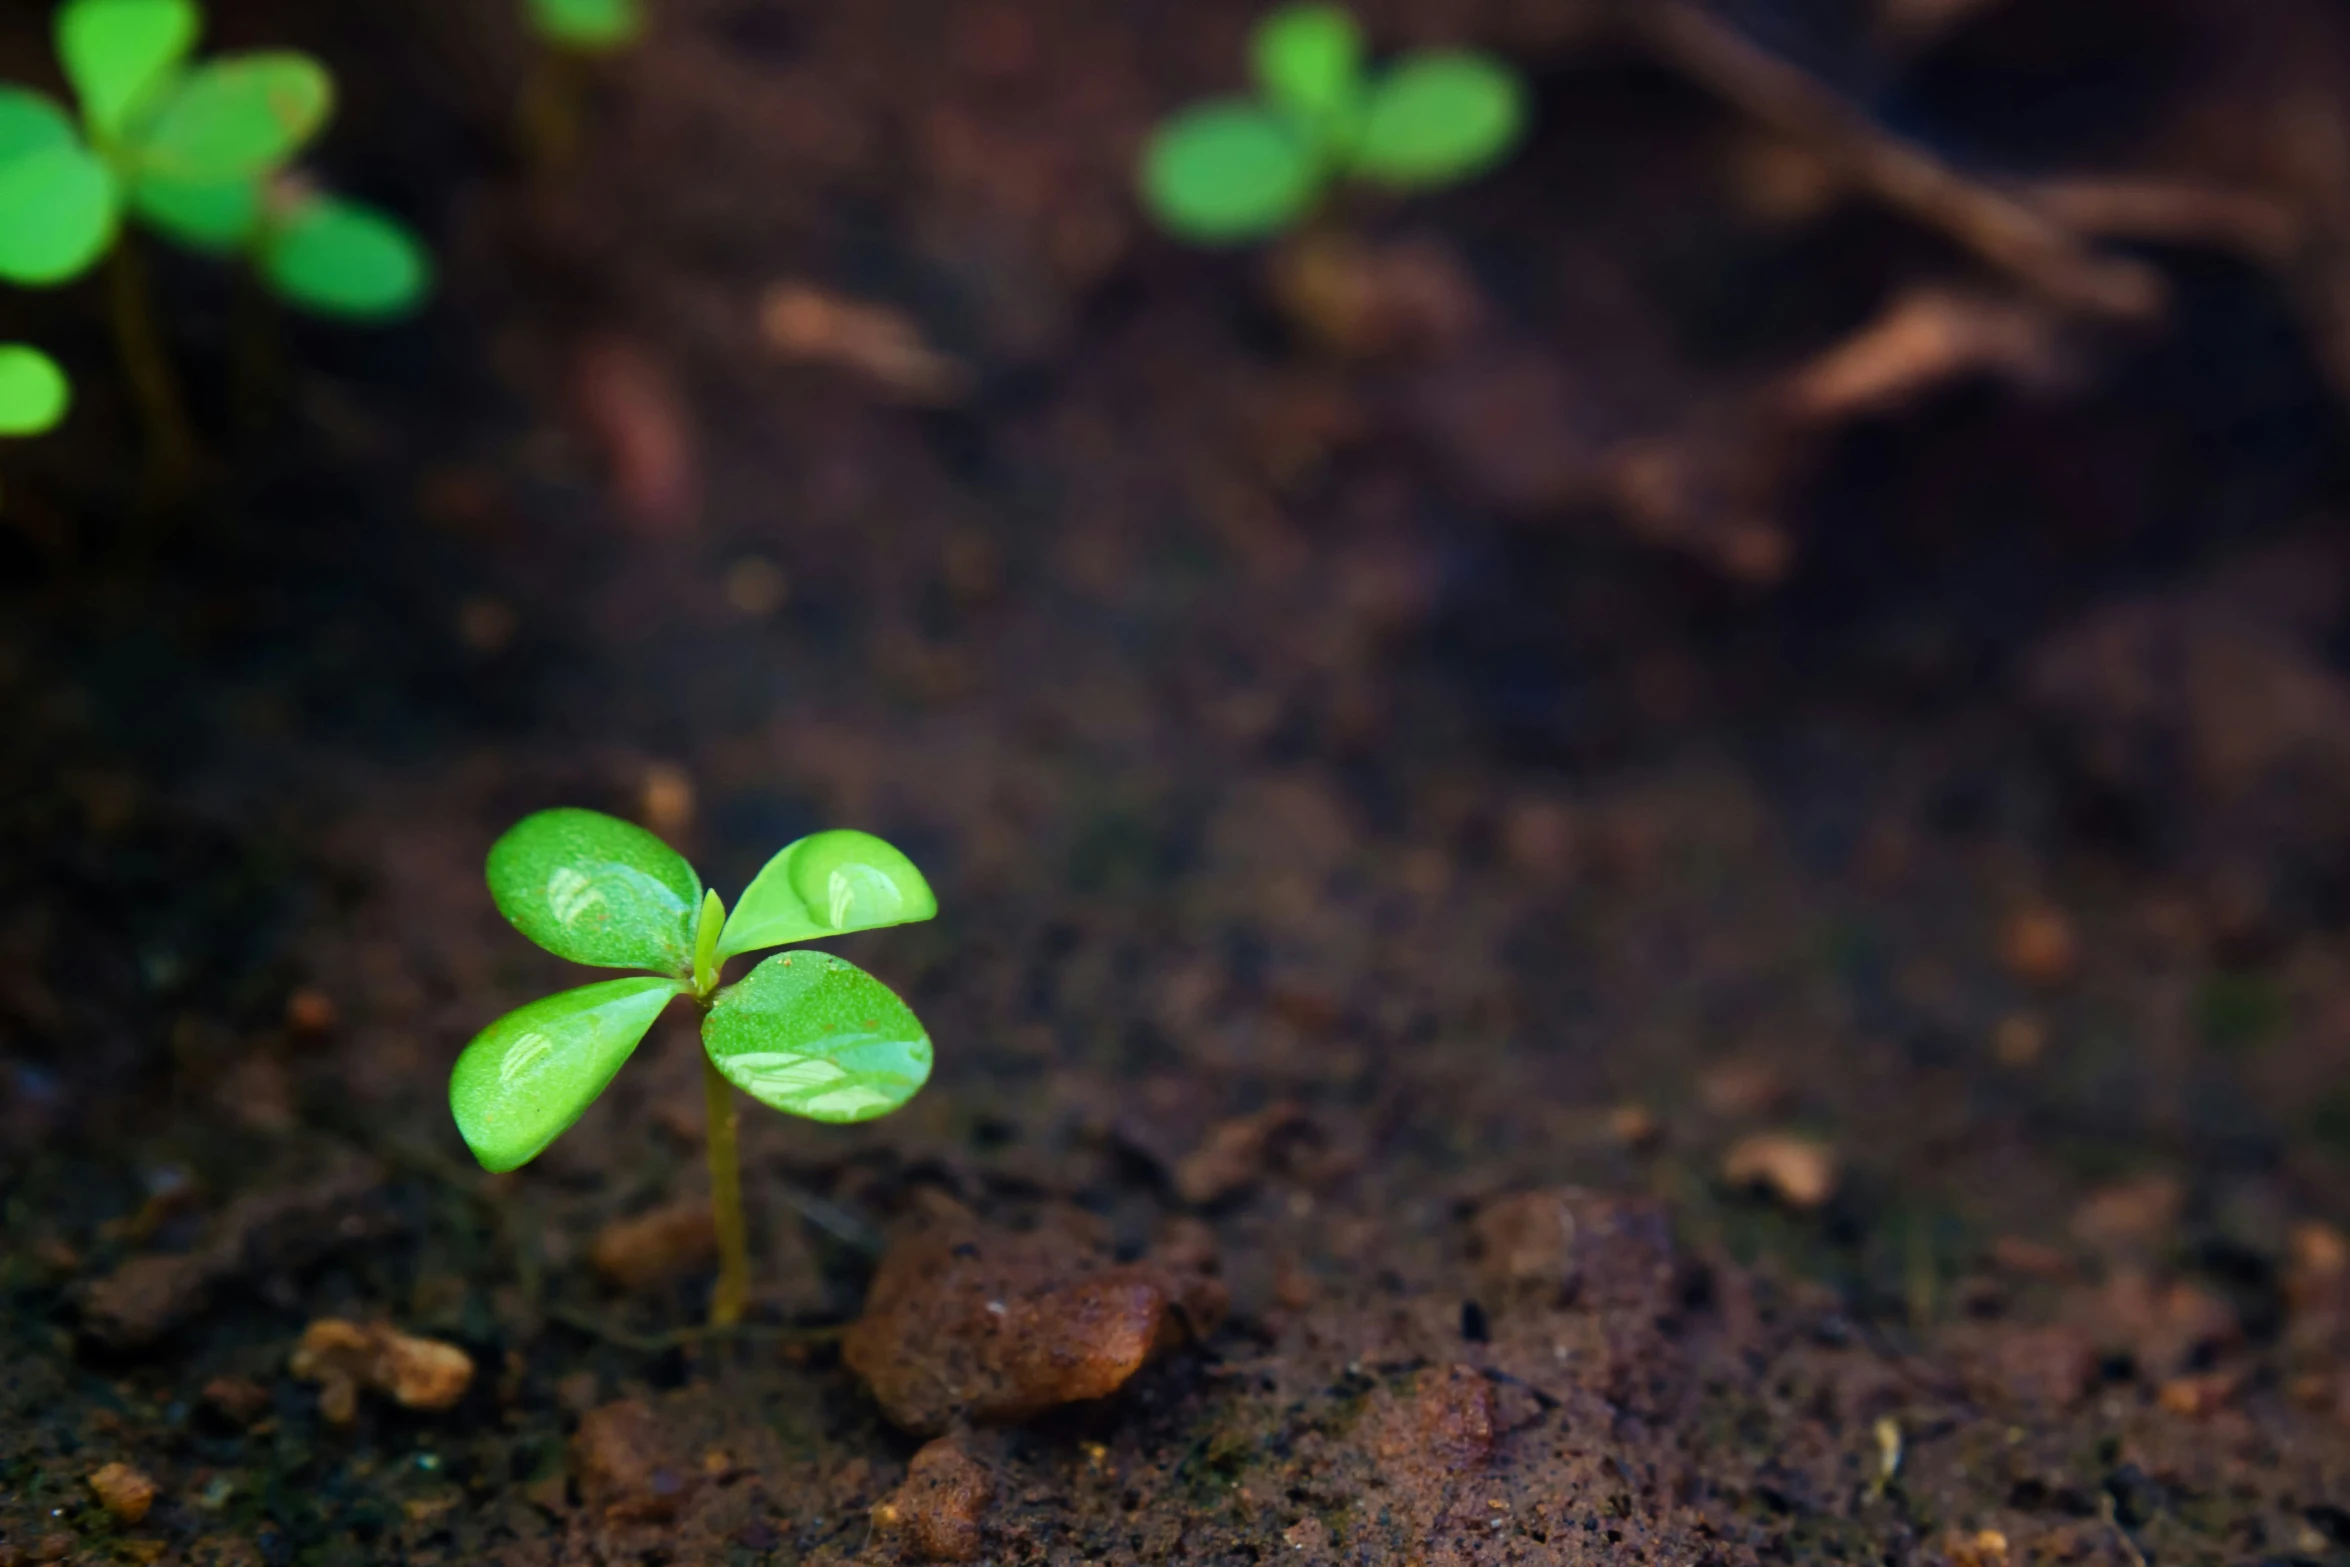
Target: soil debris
(1799, 1171)
(1236, 1154)
(149, 1295)
(965, 1321)
(345, 1357)
(123, 1491)
(2040, 946)
(626, 1464)
(238, 1399)
(654, 1248)
(1573, 1247)
(885, 348)
(940, 1513)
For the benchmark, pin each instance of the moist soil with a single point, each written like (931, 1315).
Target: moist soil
(1556, 1044)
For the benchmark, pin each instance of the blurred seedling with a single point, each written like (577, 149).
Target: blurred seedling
(1231, 170)
(34, 393)
(199, 150)
(804, 1032)
(574, 37)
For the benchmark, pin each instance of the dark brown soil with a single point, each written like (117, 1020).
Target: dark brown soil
(1591, 933)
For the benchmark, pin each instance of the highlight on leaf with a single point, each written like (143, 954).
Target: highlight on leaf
(341, 258)
(117, 53)
(57, 213)
(596, 890)
(827, 884)
(525, 1078)
(235, 117)
(1222, 173)
(1439, 118)
(34, 392)
(811, 1035)
(1309, 59)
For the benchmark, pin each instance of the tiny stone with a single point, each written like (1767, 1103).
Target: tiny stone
(1798, 1171)
(123, 1491)
(2039, 945)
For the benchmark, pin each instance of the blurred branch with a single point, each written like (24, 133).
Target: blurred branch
(2031, 246)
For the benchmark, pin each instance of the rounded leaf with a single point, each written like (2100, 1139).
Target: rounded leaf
(1437, 118)
(117, 52)
(1309, 59)
(527, 1077)
(343, 259)
(1226, 172)
(219, 219)
(34, 392)
(235, 117)
(596, 890)
(57, 214)
(811, 1035)
(31, 123)
(827, 884)
(593, 25)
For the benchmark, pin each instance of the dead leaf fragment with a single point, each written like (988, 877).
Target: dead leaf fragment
(811, 325)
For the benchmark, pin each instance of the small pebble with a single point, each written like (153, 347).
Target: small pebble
(940, 1513)
(123, 1491)
(1799, 1171)
(344, 1357)
(2039, 945)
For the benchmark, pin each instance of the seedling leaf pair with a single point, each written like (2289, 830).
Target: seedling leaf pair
(1238, 169)
(804, 1032)
(199, 150)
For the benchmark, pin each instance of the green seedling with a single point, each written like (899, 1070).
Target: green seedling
(575, 36)
(804, 1032)
(34, 393)
(1237, 169)
(199, 150)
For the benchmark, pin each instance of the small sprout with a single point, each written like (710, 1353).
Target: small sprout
(34, 393)
(588, 26)
(805, 1033)
(1237, 169)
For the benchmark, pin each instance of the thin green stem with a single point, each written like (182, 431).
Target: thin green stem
(172, 443)
(726, 1201)
(553, 99)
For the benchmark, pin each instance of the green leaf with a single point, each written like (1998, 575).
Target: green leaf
(344, 259)
(827, 884)
(594, 25)
(527, 1077)
(34, 393)
(1309, 60)
(596, 890)
(235, 117)
(57, 214)
(1436, 118)
(117, 52)
(31, 123)
(811, 1035)
(1230, 171)
(218, 219)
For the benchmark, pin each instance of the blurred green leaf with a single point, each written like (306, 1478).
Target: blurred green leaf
(824, 885)
(117, 52)
(1309, 60)
(57, 214)
(235, 117)
(219, 219)
(527, 1077)
(30, 122)
(811, 1035)
(596, 890)
(594, 25)
(1229, 171)
(34, 393)
(344, 259)
(1436, 118)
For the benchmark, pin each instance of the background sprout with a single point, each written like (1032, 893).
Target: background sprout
(804, 1032)
(34, 393)
(588, 26)
(198, 150)
(1238, 169)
